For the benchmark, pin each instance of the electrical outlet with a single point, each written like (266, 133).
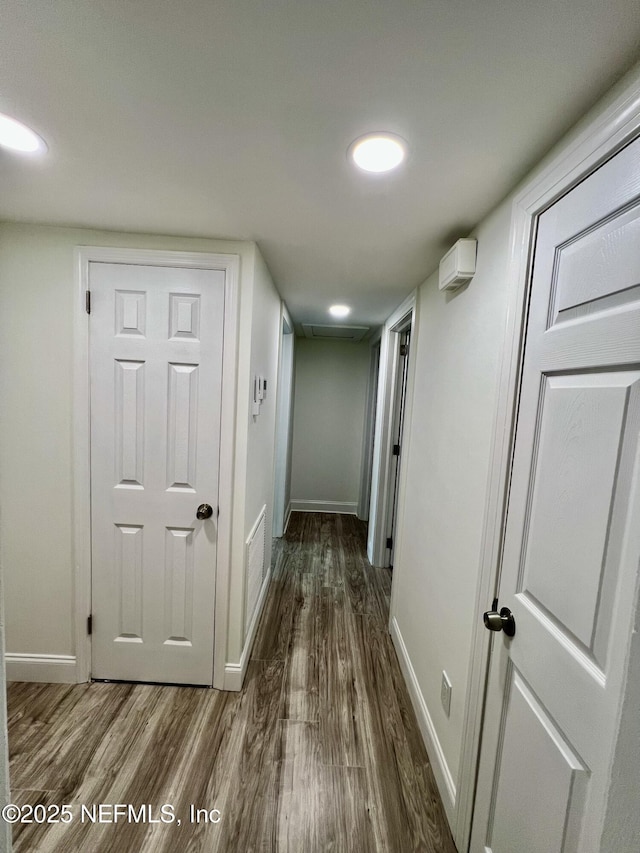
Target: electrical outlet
(445, 693)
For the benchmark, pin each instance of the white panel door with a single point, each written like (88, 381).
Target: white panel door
(156, 374)
(572, 540)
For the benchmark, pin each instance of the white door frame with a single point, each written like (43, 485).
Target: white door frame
(366, 464)
(284, 412)
(615, 123)
(403, 316)
(397, 434)
(230, 264)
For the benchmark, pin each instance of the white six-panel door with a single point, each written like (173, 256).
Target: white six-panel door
(572, 541)
(156, 336)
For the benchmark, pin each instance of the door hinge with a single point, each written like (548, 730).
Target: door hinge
(389, 542)
(404, 349)
(87, 301)
(396, 450)
(90, 624)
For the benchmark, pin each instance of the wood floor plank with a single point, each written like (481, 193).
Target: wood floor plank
(249, 822)
(299, 781)
(30, 836)
(272, 639)
(346, 825)
(144, 744)
(319, 753)
(432, 808)
(55, 757)
(340, 708)
(202, 783)
(302, 677)
(325, 562)
(399, 793)
(37, 708)
(22, 697)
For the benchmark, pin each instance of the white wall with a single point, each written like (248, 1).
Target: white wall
(37, 289)
(259, 347)
(330, 393)
(457, 343)
(265, 346)
(5, 828)
(455, 350)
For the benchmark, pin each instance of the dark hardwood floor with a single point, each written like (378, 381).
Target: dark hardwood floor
(319, 752)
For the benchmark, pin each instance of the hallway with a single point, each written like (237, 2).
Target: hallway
(319, 752)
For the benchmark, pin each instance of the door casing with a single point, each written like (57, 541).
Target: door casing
(230, 264)
(398, 419)
(404, 316)
(370, 416)
(597, 139)
(284, 422)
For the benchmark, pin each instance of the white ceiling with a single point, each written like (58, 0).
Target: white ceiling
(231, 118)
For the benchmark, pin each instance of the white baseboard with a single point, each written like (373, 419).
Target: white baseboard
(55, 669)
(345, 507)
(440, 768)
(234, 677)
(234, 673)
(287, 517)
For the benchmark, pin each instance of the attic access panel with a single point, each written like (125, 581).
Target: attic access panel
(352, 334)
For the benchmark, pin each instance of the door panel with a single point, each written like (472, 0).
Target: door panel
(534, 746)
(129, 425)
(581, 426)
(128, 547)
(178, 586)
(572, 541)
(182, 429)
(156, 373)
(585, 283)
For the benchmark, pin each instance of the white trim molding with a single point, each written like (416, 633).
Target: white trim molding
(234, 673)
(613, 123)
(230, 264)
(284, 423)
(366, 461)
(287, 518)
(344, 507)
(404, 315)
(261, 519)
(439, 765)
(54, 669)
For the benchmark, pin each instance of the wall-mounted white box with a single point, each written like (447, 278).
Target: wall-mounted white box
(459, 265)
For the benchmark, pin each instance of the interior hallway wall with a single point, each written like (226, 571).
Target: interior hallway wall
(456, 348)
(37, 293)
(5, 827)
(263, 345)
(330, 394)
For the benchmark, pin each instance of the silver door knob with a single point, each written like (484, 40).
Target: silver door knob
(502, 621)
(204, 511)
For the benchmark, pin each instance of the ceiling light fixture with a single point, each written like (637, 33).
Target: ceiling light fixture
(339, 310)
(378, 152)
(19, 137)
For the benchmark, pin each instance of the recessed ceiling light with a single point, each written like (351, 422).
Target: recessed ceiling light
(19, 137)
(378, 152)
(339, 310)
